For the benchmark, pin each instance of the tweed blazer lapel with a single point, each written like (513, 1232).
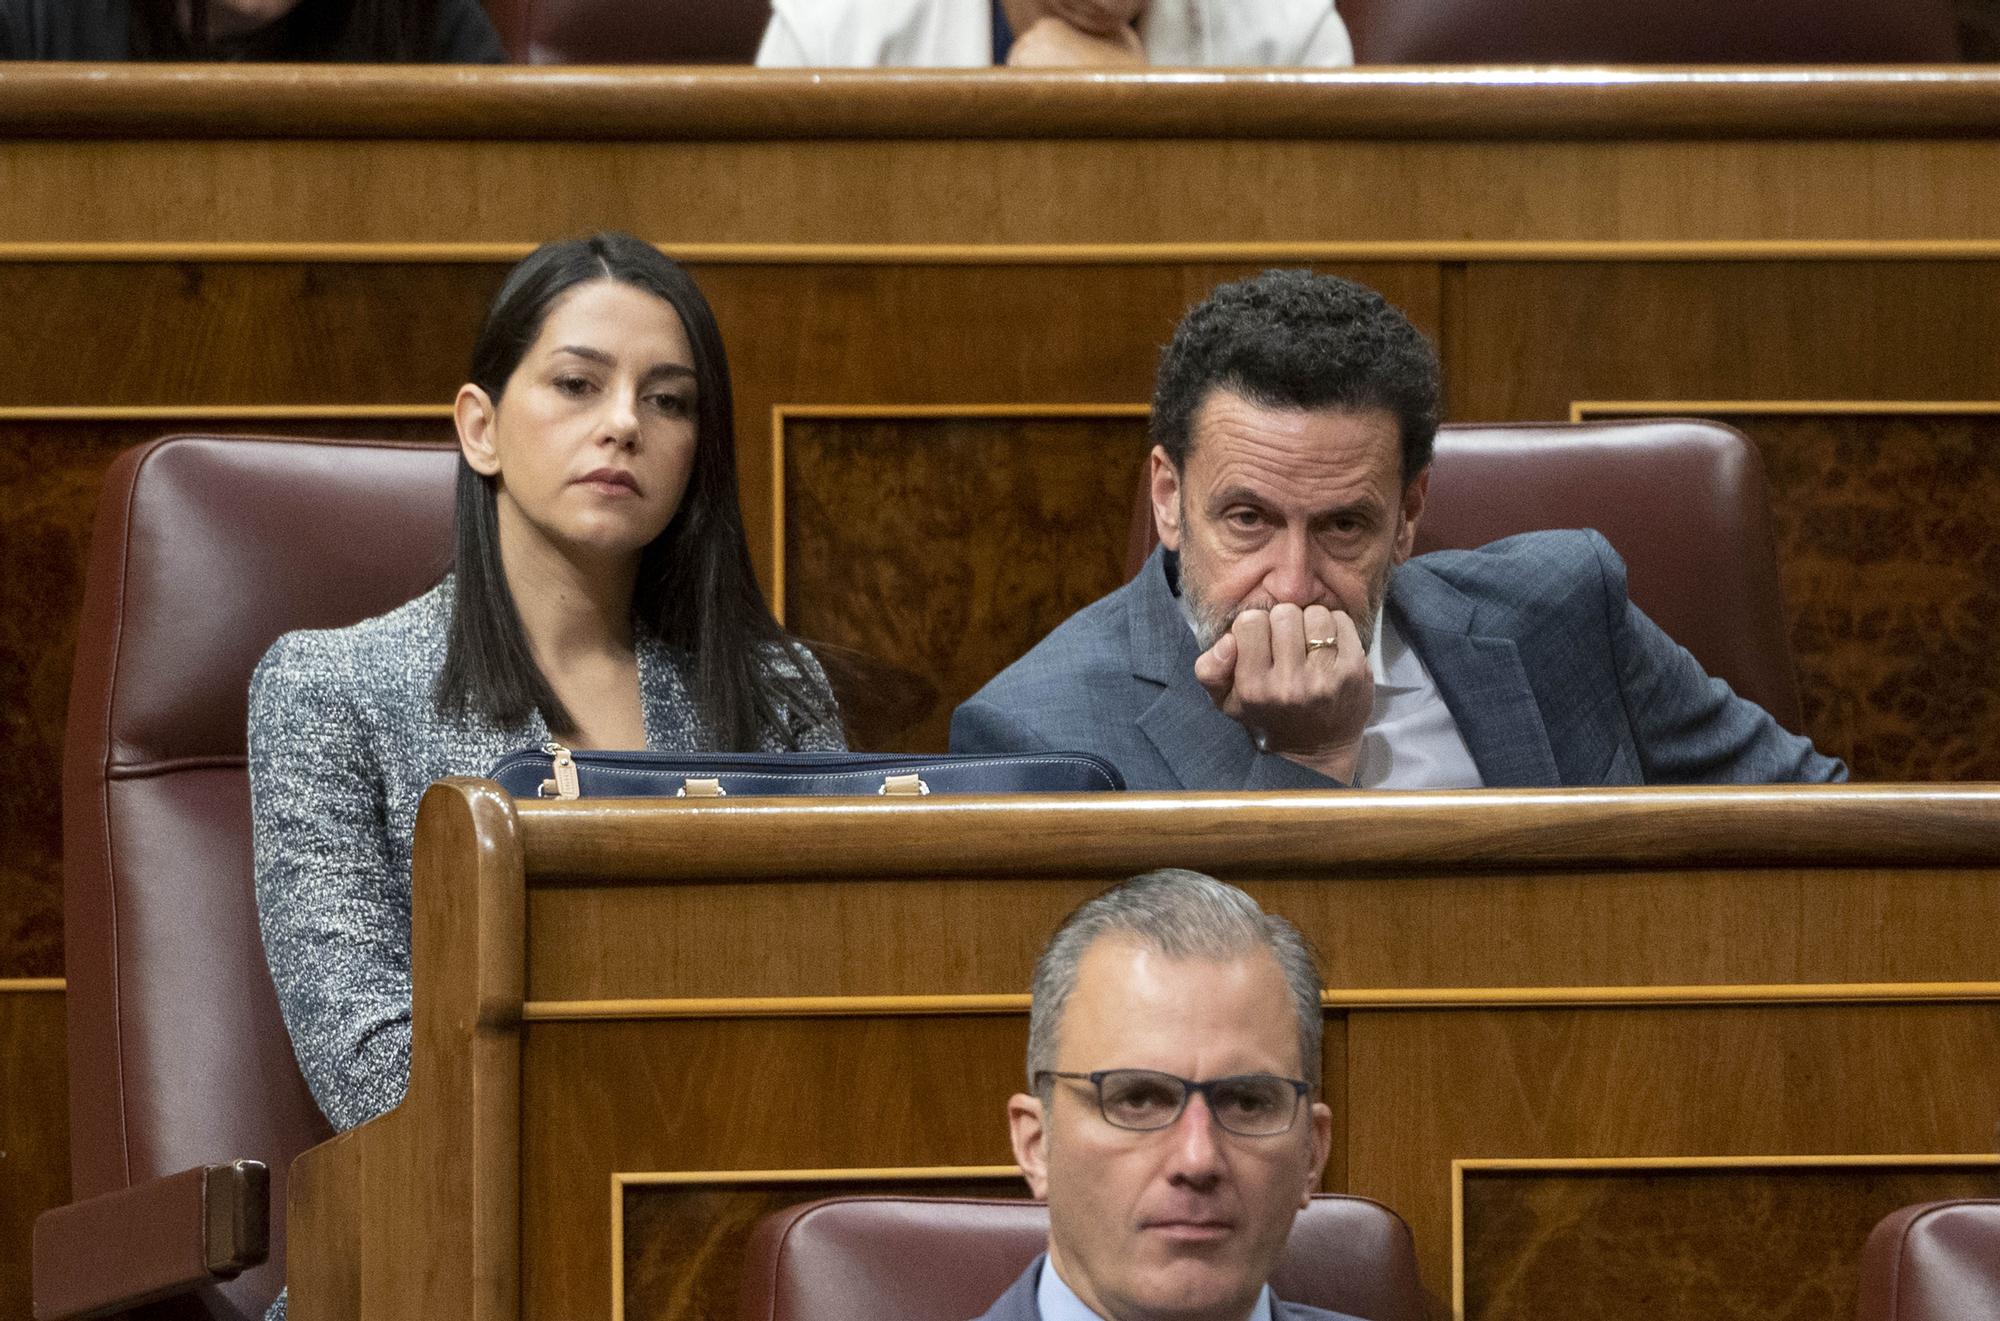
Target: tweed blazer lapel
(1200, 745)
(1480, 677)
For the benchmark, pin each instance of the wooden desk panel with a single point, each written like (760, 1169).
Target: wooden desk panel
(756, 988)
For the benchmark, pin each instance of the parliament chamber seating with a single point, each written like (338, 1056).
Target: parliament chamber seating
(1683, 502)
(204, 551)
(1937, 1261)
(1650, 32)
(860, 1258)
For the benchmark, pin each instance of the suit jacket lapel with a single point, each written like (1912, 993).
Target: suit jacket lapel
(1200, 745)
(1480, 677)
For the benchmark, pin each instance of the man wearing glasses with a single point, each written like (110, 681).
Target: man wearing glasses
(1173, 1050)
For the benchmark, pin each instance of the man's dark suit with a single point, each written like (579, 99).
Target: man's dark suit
(1018, 1303)
(1552, 675)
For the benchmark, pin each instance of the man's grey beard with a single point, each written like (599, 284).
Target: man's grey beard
(1212, 622)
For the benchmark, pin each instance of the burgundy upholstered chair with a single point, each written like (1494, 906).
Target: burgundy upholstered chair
(863, 1258)
(204, 551)
(1939, 1261)
(631, 31)
(1651, 31)
(1682, 501)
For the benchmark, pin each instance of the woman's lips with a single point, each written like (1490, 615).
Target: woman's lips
(610, 481)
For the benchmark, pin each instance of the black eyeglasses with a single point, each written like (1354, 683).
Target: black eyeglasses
(1251, 1105)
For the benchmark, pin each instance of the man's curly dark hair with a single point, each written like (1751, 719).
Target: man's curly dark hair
(1292, 339)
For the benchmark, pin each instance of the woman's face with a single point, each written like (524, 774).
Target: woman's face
(593, 439)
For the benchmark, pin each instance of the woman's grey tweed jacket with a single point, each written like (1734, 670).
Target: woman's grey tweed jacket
(344, 739)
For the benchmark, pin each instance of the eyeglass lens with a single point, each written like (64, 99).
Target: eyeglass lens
(1251, 1104)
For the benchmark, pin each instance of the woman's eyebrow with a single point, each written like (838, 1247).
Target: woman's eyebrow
(609, 360)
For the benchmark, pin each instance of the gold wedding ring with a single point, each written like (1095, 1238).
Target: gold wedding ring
(1314, 644)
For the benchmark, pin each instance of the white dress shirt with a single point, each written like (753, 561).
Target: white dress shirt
(1058, 1302)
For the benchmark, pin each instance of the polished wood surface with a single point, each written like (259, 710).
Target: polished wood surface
(661, 104)
(1695, 1244)
(34, 1126)
(1625, 974)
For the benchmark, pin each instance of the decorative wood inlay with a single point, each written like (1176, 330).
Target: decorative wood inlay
(677, 1238)
(1887, 518)
(31, 985)
(1682, 1238)
(1033, 502)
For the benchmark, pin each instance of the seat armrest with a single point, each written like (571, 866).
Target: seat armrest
(152, 1240)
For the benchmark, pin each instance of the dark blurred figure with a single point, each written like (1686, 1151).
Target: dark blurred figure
(333, 31)
(1979, 29)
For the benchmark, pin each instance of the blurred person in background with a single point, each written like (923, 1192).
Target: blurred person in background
(1053, 33)
(332, 31)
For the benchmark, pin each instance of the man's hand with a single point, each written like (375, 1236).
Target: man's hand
(1310, 706)
(1050, 43)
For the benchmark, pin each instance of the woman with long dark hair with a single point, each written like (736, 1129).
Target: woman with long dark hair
(339, 31)
(601, 596)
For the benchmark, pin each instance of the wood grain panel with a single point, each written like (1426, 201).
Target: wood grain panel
(202, 334)
(34, 1131)
(882, 1092)
(1536, 337)
(684, 1244)
(1424, 1089)
(49, 477)
(1018, 191)
(1712, 1245)
(1888, 531)
(952, 546)
(1376, 927)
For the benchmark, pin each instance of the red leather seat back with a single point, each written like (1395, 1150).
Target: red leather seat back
(1651, 31)
(1939, 1261)
(864, 1258)
(204, 551)
(636, 31)
(1682, 501)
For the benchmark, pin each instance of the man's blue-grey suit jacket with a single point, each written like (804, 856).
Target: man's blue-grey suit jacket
(1018, 1303)
(1553, 676)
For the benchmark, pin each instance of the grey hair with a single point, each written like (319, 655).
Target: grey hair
(1184, 915)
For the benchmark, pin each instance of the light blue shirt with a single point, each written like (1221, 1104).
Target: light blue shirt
(1058, 1302)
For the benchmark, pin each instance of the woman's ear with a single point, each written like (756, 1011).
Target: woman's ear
(474, 413)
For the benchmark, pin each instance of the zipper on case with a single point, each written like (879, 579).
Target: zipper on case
(564, 785)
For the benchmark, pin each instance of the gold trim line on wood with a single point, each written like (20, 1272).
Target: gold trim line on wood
(1494, 997)
(1534, 1164)
(1043, 254)
(1588, 410)
(708, 1178)
(225, 412)
(32, 985)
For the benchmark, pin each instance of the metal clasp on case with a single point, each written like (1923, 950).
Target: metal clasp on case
(697, 787)
(903, 786)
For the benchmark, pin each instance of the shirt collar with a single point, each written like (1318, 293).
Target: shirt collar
(1058, 1302)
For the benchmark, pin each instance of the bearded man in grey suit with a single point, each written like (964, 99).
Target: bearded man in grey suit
(1283, 638)
(1173, 1051)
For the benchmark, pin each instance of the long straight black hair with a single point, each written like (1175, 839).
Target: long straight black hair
(342, 31)
(695, 589)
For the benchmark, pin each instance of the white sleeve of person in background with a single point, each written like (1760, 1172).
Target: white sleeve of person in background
(1282, 34)
(878, 34)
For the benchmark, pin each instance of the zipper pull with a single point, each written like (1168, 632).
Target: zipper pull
(565, 783)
